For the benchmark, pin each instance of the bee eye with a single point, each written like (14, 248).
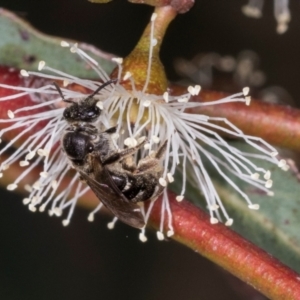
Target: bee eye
(90, 148)
(66, 114)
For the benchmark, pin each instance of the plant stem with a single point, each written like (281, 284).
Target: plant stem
(138, 60)
(228, 249)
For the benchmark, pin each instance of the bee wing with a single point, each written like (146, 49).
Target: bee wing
(106, 190)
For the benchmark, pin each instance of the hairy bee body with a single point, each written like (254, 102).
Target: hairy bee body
(112, 175)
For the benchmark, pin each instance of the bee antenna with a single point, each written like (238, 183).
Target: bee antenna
(61, 94)
(102, 87)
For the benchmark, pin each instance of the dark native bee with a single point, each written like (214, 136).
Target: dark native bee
(111, 174)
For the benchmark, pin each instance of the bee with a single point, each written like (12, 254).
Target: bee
(112, 174)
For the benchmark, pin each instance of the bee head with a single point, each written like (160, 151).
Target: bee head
(84, 111)
(87, 109)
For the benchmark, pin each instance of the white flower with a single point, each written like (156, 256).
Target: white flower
(281, 11)
(190, 137)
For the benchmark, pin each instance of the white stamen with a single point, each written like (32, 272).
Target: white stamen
(229, 222)
(147, 146)
(153, 17)
(5, 167)
(34, 200)
(118, 60)
(64, 44)
(197, 89)
(30, 155)
(66, 222)
(254, 206)
(283, 18)
(44, 174)
(54, 184)
(246, 91)
(26, 201)
(146, 103)
(179, 198)
(57, 211)
(36, 185)
(127, 76)
(281, 163)
(255, 176)
(162, 182)
(170, 233)
(153, 42)
(191, 90)
(285, 168)
(32, 208)
(248, 100)
(73, 48)
(12, 186)
(214, 207)
(252, 11)
(269, 183)
(66, 82)
(214, 220)
(155, 139)
(194, 90)
(111, 225)
(23, 163)
(142, 237)
(24, 73)
(170, 177)
(267, 175)
(273, 154)
(28, 188)
(43, 152)
(100, 104)
(183, 99)
(42, 207)
(115, 136)
(130, 142)
(141, 139)
(166, 96)
(10, 114)
(91, 217)
(160, 235)
(41, 65)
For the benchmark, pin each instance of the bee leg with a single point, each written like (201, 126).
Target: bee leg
(151, 190)
(111, 130)
(82, 179)
(161, 150)
(158, 192)
(147, 164)
(122, 154)
(151, 162)
(128, 164)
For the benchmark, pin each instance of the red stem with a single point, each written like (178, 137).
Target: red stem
(228, 249)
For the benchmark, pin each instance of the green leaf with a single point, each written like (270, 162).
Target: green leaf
(275, 226)
(21, 46)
